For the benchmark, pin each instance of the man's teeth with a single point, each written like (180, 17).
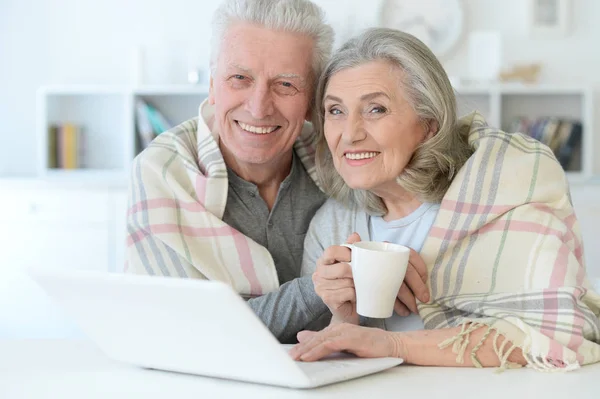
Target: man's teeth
(257, 129)
(361, 155)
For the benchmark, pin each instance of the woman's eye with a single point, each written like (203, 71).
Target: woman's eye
(334, 111)
(377, 110)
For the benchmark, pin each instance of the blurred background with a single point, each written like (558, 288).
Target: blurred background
(86, 84)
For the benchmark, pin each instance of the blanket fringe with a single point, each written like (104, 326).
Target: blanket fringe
(461, 341)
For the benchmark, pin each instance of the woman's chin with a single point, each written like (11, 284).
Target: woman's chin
(356, 185)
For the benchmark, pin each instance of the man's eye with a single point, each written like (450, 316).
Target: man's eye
(239, 77)
(285, 88)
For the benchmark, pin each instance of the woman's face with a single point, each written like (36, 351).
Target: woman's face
(370, 128)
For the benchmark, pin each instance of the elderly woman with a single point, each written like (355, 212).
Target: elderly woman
(488, 213)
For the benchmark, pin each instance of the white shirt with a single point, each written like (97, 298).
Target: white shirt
(410, 231)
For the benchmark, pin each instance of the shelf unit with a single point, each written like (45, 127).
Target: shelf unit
(501, 104)
(108, 116)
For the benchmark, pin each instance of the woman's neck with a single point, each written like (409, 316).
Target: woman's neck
(399, 202)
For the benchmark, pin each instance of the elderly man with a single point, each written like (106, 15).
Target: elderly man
(229, 195)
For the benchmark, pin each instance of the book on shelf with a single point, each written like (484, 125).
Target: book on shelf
(65, 146)
(562, 136)
(150, 122)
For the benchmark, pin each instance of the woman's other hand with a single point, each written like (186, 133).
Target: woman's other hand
(361, 341)
(334, 283)
(413, 286)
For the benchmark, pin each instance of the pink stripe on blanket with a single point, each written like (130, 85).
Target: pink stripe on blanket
(578, 324)
(501, 225)
(201, 188)
(474, 209)
(165, 203)
(578, 251)
(164, 228)
(246, 262)
(240, 240)
(548, 326)
(556, 354)
(569, 222)
(559, 270)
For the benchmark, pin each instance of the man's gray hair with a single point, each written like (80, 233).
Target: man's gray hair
(297, 16)
(436, 161)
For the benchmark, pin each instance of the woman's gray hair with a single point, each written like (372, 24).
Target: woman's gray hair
(297, 16)
(436, 161)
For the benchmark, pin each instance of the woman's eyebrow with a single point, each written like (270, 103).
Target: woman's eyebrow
(333, 98)
(370, 96)
(364, 97)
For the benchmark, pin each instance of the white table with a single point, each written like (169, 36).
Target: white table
(76, 369)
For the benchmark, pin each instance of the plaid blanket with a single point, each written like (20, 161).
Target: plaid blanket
(505, 253)
(177, 196)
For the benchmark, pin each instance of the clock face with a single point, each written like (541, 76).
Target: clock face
(437, 23)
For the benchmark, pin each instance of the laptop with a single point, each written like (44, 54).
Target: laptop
(189, 326)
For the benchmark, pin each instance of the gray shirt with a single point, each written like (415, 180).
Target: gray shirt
(295, 305)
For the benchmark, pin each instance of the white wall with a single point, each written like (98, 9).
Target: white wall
(92, 41)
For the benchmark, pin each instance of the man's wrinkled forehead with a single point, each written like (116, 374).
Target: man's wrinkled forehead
(253, 49)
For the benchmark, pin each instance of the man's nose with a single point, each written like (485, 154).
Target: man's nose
(260, 104)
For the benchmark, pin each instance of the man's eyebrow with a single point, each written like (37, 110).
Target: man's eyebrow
(236, 66)
(292, 76)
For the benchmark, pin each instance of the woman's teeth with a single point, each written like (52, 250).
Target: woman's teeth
(361, 155)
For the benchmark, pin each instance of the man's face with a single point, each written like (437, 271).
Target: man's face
(261, 90)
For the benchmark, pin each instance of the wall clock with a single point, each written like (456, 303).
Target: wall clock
(438, 23)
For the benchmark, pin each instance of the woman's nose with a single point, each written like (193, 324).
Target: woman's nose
(354, 130)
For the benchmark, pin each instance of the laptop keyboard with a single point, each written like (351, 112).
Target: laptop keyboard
(311, 368)
(342, 366)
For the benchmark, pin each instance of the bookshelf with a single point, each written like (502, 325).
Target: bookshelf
(502, 104)
(107, 116)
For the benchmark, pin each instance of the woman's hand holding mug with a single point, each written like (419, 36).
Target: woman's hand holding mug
(335, 283)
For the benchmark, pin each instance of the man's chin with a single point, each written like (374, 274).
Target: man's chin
(258, 158)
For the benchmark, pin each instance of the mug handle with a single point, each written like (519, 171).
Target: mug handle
(350, 247)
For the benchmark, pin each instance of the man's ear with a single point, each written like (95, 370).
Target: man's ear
(308, 116)
(211, 92)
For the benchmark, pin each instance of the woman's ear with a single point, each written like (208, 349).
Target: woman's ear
(432, 126)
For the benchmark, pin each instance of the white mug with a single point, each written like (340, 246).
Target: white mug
(378, 269)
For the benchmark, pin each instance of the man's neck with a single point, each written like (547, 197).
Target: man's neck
(267, 177)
